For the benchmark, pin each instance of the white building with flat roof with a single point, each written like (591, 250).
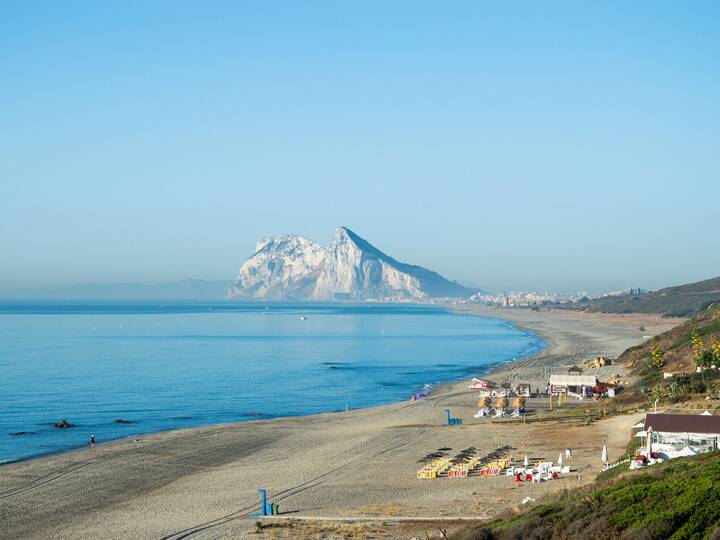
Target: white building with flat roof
(579, 386)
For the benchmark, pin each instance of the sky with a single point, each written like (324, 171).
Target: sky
(548, 145)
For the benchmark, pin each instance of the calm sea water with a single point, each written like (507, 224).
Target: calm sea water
(178, 365)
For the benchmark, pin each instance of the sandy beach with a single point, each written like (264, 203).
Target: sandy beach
(333, 475)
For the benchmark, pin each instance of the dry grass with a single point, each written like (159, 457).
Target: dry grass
(380, 530)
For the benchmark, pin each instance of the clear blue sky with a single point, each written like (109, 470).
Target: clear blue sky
(537, 144)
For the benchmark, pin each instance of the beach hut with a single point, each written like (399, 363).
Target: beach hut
(579, 386)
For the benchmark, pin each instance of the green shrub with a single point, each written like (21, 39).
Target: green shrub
(675, 500)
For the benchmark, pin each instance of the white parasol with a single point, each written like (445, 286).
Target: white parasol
(604, 454)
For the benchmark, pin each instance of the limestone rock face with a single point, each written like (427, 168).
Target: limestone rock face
(285, 267)
(292, 267)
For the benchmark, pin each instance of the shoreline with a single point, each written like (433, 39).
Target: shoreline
(433, 389)
(473, 310)
(355, 464)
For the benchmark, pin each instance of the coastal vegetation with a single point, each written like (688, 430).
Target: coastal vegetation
(678, 364)
(678, 499)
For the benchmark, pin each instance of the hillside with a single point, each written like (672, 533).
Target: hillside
(676, 344)
(679, 499)
(678, 301)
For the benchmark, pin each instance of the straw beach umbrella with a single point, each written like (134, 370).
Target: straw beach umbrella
(502, 402)
(484, 402)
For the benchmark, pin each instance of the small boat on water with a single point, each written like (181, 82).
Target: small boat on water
(303, 317)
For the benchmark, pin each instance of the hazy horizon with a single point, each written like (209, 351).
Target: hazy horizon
(561, 146)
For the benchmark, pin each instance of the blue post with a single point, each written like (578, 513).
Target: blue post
(263, 501)
(453, 421)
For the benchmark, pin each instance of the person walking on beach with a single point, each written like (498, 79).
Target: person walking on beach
(568, 453)
(91, 444)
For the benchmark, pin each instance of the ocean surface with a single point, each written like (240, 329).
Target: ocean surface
(165, 366)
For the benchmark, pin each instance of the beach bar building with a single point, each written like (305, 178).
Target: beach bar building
(578, 386)
(672, 433)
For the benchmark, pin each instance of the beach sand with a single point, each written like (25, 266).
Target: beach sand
(357, 466)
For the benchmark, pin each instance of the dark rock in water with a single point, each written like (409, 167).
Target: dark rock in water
(63, 424)
(122, 421)
(252, 414)
(19, 433)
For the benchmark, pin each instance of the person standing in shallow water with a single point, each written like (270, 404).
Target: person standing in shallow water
(91, 444)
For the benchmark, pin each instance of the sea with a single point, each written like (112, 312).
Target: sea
(122, 369)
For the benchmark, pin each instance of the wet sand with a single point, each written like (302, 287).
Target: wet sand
(203, 482)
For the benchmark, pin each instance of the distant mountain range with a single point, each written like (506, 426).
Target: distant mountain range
(677, 301)
(292, 267)
(188, 289)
